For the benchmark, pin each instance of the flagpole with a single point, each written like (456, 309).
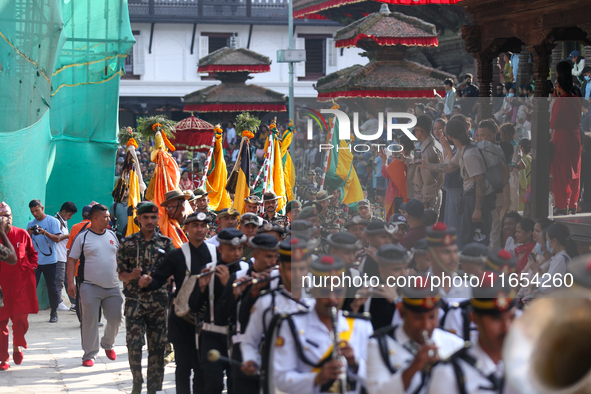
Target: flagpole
(267, 166)
(330, 134)
(207, 162)
(256, 181)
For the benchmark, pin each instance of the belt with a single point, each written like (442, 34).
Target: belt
(213, 328)
(237, 338)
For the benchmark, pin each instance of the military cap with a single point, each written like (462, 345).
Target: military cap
(356, 220)
(293, 249)
(227, 212)
(376, 227)
(293, 204)
(327, 265)
(307, 213)
(414, 208)
(198, 217)
(363, 203)
(268, 227)
(200, 192)
(270, 196)
(231, 236)
(249, 218)
(264, 242)
(419, 295)
(344, 240)
(580, 269)
(322, 196)
(302, 228)
(398, 220)
(474, 253)
(393, 255)
(420, 247)
(175, 194)
(500, 260)
(493, 295)
(146, 207)
(253, 199)
(441, 235)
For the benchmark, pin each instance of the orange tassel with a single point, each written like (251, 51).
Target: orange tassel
(167, 142)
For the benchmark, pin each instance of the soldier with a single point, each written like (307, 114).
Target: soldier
(378, 209)
(345, 246)
(356, 226)
(191, 257)
(473, 258)
(292, 210)
(363, 206)
(399, 357)
(270, 215)
(226, 218)
(202, 205)
(207, 301)
(421, 263)
(303, 360)
(501, 261)
(310, 214)
(480, 368)
(378, 235)
(294, 261)
(176, 206)
(249, 223)
(252, 204)
(139, 254)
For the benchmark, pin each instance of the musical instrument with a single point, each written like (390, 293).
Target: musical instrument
(548, 349)
(254, 281)
(342, 379)
(214, 355)
(428, 341)
(201, 275)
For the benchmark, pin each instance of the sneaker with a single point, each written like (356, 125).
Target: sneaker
(101, 324)
(88, 363)
(4, 366)
(53, 317)
(62, 307)
(73, 308)
(110, 354)
(17, 356)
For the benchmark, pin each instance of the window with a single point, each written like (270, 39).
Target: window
(213, 41)
(319, 57)
(134, 62)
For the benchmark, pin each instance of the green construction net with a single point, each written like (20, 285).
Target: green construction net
(60, 65)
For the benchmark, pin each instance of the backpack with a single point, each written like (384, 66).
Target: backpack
(497, 171)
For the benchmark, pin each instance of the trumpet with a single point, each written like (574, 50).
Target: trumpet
(201, 275)
(428, 341)
(342, 379)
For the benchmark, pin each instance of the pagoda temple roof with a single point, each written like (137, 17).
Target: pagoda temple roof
(387, 28)
(234, 60)
(302, 8)
(234, 97)
(383, 79)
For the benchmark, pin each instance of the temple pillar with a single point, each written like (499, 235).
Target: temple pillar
(484, 71)
(523, 77)
(556, 56)
(540, 132)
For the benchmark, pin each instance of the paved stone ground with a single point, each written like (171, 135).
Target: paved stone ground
(53, 362)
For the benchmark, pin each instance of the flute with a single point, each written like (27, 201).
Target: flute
(254, 280)
(213, 270)
(342, 379)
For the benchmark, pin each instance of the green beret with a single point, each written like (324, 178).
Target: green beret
(147, 207)
(292, 204)
(307, 212)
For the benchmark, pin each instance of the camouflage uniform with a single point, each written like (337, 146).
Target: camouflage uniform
(214, 227)
(377, 212)
(340, 212)
(277, 219)
(145, 310)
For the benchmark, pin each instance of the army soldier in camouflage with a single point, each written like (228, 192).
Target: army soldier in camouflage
(270, 204)
(364, 208)
(202, 204)
(140, 254)
(378, 209)
(338, 208)
(326, 219)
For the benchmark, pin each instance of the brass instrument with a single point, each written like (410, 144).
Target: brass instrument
(342, 379)
(548, 349)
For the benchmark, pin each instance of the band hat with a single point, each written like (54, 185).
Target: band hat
(252, 199)
(293, 249)
(198, 217)
(376, 227)
(302, 229)
(307, 213)
(227, 212)
(249, 218)
(580, 269)
(231, 236)
(500, 261)
(5, 209)
(269, 227)
(172, 195)
(270, 196)
(493, 295)
(327, 265)
(146, 207)
(419, 295)
(264, 242)
(363, 203)
(420, 247)
(323, 196)
(293, 204)
(393, 255)
(474, 253)
(344, 240)
(355, 220)
(440, 235)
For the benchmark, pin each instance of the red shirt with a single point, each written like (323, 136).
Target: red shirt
(413, 235)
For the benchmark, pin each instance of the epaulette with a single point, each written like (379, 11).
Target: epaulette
(269, 291)
(363, 316)
(460, 305)
(388, 330)
(461, 353)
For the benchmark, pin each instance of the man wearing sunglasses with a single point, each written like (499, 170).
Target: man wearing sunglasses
(304, 361)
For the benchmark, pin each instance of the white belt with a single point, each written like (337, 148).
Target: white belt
(213, 328)
(237, 338)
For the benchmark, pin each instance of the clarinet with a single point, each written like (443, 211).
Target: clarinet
(342, 379)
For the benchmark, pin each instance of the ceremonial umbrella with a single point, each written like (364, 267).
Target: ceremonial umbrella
(193, 134)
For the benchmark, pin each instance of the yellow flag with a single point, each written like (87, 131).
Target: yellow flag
(216, 181)
(134, 199)
(277, 176)
(288, 169)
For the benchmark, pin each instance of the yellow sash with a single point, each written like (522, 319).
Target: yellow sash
(343, 336)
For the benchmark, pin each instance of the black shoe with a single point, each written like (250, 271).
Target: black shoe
(53, 317)
(560, 212)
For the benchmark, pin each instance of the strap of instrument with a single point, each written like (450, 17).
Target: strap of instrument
(214, 261)
(380, 336)
(460, 378)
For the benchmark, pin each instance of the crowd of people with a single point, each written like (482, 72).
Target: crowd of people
(237, 306)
